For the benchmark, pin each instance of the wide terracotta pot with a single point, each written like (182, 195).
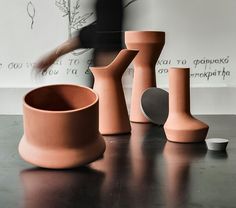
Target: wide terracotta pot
(61, 127)
(113, 113)
(150, 45)
(181, 126)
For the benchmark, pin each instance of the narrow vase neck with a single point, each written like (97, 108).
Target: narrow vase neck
(144, 66)
(179, 90)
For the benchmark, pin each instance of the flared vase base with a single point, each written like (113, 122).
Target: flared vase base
(186, 136)
(61, 158)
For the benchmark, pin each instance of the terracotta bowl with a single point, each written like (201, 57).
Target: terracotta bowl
(61, 127)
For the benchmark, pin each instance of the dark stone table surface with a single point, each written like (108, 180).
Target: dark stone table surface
(140, 170)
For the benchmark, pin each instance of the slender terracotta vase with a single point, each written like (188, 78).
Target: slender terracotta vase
(61, 127)
(181, 126)
(150, 45)
(113, 113)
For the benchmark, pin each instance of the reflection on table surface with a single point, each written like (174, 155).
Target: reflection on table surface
(64, 188)
(138, 170)
(179, 158)
(130, 174)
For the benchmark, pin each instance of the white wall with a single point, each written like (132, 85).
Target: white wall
(199, 34)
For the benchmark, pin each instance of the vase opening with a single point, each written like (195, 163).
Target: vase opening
(60, 98)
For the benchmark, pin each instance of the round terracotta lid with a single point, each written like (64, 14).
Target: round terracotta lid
(155, 105)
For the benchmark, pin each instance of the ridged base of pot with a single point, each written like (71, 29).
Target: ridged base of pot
(61, 158)
(186, 136)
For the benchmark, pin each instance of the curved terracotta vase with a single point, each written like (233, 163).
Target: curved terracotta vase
(150, 45)
(181, 126)
(61, 127)
(113, 113)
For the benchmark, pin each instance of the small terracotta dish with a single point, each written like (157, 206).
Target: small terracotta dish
(217, 144)
(61, 127)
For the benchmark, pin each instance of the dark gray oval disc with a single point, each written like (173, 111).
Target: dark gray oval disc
(155, 105)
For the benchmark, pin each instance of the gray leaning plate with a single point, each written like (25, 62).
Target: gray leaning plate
(155, 105)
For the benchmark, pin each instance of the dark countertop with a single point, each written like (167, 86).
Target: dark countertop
(141, 170)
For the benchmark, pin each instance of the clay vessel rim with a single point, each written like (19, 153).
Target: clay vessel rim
(151, 37)
(62, 111)
(144, 31)
(107, 66)
(145, 38)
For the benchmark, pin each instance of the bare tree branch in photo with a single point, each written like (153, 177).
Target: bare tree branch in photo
(129, 3)
(31, 13)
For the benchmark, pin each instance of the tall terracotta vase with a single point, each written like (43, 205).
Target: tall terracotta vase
(61, 127)
(113, 114)
(181, 126)
(150, 45)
